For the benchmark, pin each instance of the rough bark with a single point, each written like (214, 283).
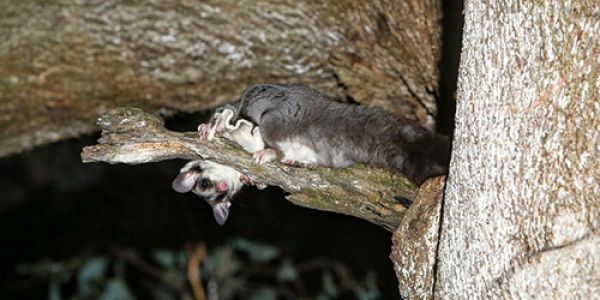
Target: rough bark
(133, 137)
(416, 242)
(521, 217)
(64, 63)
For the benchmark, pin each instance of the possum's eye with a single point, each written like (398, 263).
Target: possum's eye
(204, 183)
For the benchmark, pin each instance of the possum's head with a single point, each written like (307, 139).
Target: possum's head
(215, 183)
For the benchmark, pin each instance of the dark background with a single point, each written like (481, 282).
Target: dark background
(55, 207)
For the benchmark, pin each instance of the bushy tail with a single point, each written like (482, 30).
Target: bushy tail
(428, 157)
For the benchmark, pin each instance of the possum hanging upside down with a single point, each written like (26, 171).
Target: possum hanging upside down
(213, 182)
(297, 124)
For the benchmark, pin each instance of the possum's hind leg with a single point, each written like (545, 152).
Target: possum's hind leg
(246, 135)
(264, 156)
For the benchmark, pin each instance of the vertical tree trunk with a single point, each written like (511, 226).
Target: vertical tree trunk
(521, 215)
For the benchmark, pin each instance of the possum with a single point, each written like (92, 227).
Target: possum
(297, 124)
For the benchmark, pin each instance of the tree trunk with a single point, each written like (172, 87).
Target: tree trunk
(64, 63)
(521, 217)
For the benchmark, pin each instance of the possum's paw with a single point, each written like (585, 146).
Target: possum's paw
(298, 164)
(206, 132)
(218, 123)
(264, 156)
(249, 181)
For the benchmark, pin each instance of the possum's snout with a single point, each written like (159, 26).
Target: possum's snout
(222, 186)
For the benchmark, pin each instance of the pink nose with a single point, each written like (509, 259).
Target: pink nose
(222, 186)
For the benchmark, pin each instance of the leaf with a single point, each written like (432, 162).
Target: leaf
(371, 281)
(162, 293)
(370, 290)
(257, 252)
(173, 278)
(322, 296)
(287, 272)
(48, 268)
(264, 293)
(116, 289)
(222, 264)
(329, 285)
(90, 274)
(165, 258)
(54, 290)
(231, 288)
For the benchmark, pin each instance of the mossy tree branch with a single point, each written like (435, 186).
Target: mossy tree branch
(133, 137)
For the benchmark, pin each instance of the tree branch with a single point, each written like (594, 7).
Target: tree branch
(133, 137)
(416, 242)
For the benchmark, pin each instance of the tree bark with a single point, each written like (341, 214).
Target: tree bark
(416, 242)
(64, 63)
(521, 217)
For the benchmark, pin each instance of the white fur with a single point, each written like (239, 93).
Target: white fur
(295, 150)
(247, 137)
(242, 132)
(215, 173)
(218, 172)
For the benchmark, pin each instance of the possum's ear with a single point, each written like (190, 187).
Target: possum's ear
(221, 211)
(185, 181)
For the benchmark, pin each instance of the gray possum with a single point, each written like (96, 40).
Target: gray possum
(297, 124)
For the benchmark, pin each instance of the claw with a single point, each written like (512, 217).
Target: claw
(264, 156)
(204, 131)
(217, 124)
(261, 186)
(249, 181)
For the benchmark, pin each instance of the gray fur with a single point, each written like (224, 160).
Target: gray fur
(342, 134)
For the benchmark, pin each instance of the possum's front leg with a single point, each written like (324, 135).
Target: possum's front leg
(243, 132)
(249, 181)
(217, 124)
(246, 135)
